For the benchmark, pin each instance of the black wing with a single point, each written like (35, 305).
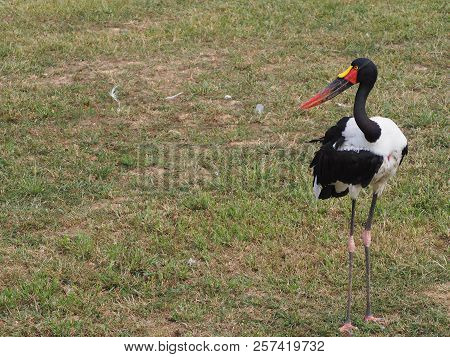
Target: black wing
(404, 153)
(334, 133)
(347, 166)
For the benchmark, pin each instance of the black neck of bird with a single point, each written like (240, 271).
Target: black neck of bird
(370, 129)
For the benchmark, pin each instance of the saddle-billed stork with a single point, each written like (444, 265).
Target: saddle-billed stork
(355, 153)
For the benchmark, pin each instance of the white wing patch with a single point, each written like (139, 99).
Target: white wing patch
(340, 186)
(391, 139)
(317, 188)
(389, 146)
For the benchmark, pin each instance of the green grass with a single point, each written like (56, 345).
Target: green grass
(101, 210)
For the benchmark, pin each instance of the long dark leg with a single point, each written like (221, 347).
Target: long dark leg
(367, 241)
(351, 251)
(348, 327)
(368, 302)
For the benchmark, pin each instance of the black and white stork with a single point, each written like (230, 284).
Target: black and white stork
(355, 153)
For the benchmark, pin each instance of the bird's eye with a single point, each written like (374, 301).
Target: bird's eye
(355, 68)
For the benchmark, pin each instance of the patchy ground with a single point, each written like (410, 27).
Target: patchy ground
(195, 216)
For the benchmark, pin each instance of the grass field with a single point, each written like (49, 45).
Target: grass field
(195, 216)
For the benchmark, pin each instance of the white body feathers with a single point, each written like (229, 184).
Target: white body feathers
(389, 146)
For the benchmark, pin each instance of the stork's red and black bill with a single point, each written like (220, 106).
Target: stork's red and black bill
(344, 81)
(332, 90)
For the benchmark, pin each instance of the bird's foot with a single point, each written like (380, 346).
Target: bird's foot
(376, 320)
(347, 329)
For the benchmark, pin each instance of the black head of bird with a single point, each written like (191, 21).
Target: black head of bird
(361, 70)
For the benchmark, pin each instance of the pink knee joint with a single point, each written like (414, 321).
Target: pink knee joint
(351, 245)
(366, 238)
